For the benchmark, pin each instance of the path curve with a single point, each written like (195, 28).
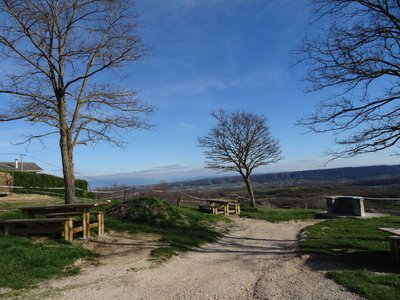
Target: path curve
(255, 260)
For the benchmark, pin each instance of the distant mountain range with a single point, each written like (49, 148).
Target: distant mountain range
(370, 175)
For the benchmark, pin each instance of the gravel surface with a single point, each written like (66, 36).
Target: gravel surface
(254, 261)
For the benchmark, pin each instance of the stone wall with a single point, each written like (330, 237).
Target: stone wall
(6, 183)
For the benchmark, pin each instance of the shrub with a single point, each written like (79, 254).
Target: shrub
(37, 182)
(153, 211)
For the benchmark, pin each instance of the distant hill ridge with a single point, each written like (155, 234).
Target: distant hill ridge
(374, 174)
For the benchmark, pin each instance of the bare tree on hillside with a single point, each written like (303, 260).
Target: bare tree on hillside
(57, 50)
(358, 56)
(240, 142)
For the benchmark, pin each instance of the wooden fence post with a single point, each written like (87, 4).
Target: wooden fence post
(178, 199)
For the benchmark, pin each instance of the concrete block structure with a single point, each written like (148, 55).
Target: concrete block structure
(345, 205)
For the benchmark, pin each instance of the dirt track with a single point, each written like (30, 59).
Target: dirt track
(254, 261)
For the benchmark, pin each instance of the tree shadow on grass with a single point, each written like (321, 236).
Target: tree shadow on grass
(349, 243)
(374, 261)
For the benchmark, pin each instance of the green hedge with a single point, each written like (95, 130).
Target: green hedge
(33, 182)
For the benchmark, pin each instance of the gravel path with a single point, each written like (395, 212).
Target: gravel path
(254, 261)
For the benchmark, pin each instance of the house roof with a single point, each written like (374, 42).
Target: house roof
(26, 167)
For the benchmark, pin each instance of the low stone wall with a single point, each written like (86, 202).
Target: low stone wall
(6, 183)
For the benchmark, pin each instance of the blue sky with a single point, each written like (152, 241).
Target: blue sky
(205, 55)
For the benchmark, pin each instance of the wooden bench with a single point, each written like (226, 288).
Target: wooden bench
(99, 223)
(218, 209)
(394, 241)
(63, 214)
(234, 208)
(70, 210)
(224, 207)
(64, 226)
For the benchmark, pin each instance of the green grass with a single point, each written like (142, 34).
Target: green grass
(348, 235)
(278, 214)
(24, 264)
(370, 285)
(11, 214)
(365, 250)
(188, 229)
(9, 205)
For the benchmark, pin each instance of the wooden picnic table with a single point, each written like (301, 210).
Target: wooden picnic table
(68, 210)
(395, 231)
(394, 241)
(223, 206)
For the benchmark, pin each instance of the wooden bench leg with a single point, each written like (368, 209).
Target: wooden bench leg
(86, 225)
(100, 222)
(69, 230)
(237, 209)
(395, 247)
(7, 229)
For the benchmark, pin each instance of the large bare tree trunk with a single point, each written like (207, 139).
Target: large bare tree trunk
(68, 168)
(250, 191)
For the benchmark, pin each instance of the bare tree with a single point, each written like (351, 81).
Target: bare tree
(61, 53)
(357, 57)
(240, 142)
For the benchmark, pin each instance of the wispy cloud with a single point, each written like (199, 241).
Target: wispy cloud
(185, 127)
(150, 176)
(193, 4)
(160, 169)
(215, 83)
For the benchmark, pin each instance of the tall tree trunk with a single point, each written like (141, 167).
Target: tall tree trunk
(68, 168)
(250, 190)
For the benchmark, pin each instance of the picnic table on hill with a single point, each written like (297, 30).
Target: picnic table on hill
(224, 206)
(394, 241)
(70, 210)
